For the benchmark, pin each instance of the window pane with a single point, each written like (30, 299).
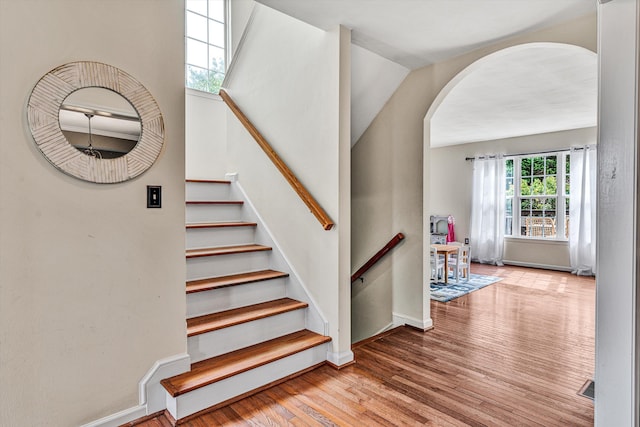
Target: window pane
(216, 59)
(216, 33)
(566, 219)
(509, 167)
(537, 186)
(538, 165)
(196, 53)
(525, 167)
(198, 6)
(215, 81)
(568, 174)
(551, 165)
(525, 186)
(196, 26)
(551, 185)
(197, 78)
(216, 10)
(509, 189)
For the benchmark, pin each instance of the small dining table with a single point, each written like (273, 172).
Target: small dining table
(446, 250)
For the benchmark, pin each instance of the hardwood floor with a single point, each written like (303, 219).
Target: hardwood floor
(512, 354)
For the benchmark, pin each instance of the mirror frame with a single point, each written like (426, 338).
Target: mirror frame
(42, 113)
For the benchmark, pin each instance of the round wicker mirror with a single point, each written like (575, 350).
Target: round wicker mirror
(43, 111)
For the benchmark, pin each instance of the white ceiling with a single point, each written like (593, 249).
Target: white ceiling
(524, 93)
(524, 90)
(415, 33)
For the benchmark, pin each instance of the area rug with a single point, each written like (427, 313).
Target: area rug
(445, 292)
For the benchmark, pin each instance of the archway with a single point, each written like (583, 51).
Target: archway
(529, 97)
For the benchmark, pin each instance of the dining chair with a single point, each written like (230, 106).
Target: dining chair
(437, 265)
(460, 263)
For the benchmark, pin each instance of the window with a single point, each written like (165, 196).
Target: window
(205, 44)
(537, 196)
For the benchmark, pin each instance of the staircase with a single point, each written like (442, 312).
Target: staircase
(244, 332)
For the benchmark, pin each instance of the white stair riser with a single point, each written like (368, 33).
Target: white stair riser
(213, 213)
(219, 236)
(224, 340)
(195, 191)
(205, 397)
(212, 301)
(223, 265)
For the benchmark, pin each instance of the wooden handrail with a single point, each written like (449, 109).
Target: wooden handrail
(304, 194)
(382, 252)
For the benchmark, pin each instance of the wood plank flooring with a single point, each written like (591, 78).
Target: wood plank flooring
(512, 354)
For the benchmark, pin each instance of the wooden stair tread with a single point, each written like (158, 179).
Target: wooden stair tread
(214, 202)
(225, 250)
(220, 224)
(232, 280)
(224, 319)
(221, 367)
(209, 181)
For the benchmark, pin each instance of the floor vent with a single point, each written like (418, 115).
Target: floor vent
(588, 389)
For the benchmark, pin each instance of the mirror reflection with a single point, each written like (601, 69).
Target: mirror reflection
(100, 122)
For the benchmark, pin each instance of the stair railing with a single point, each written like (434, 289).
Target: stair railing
(374, 259)
(302, 192)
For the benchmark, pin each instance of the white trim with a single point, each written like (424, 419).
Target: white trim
(150, 391)
(151, 394)
(400, 319)
(202, 94)
(340, 359)
(316, 321)
(541, 266)
(119, 418)
(228, 75)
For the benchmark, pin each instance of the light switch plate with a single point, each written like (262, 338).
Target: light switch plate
(154, 196)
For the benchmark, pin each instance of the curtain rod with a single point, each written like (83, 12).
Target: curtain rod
(527, 154)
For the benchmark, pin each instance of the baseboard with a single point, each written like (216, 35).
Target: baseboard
(541, 266)
(151, 394)
(338, 360)
(119, 418)
(399, 320)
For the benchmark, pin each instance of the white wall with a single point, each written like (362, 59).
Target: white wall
(387, 180)
(291, 85)
(616, 398)
(452, 196)
(91, 281)
(370, 70)
(240, 15)
(206, 136)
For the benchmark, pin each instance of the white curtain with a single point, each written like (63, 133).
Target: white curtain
(582, 210)
(487, 210)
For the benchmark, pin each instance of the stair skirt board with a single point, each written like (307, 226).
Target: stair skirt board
(213, 213)
(196, 191)
(224, 236)
(215, 300)
(203, 398)
(223, 265)
(226, 340)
